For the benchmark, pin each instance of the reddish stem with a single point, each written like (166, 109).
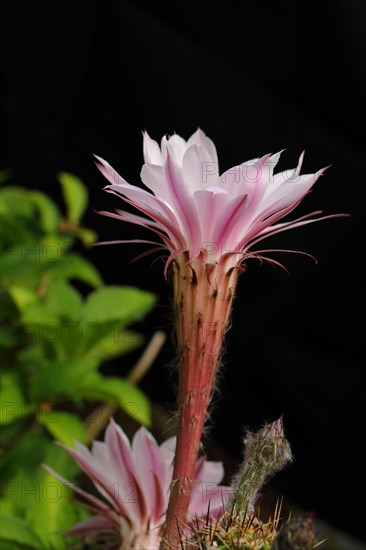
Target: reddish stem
(203, 297)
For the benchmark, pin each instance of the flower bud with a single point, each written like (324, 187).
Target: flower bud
(266, 452)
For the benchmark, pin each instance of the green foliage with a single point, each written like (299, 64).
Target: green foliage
(16, 532)
(75, 194)
(64, 426)
(11, 397)
(118, 391)
(76, 199)
(123, 304)
(53, 341)
(32, 496)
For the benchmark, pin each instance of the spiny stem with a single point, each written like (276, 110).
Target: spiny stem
(203, 298)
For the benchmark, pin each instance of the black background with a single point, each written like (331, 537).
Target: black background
(88, 76)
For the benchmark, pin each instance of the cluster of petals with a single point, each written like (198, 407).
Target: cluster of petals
(133, 480)
(195, 209)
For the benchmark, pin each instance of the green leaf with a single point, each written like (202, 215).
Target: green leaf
(75, 196)
(14, 201)
(38, 314)
(10, 432)
(49, 214)
(55, 512)
(33, 356)
(87, 236)
(117, 303)
(16, 531)
(11, 398)
(35, 496)
(65, 426)
(75, 267)
(28, 262)
(117, 342)
(8, 310)
(55, 248)
(11, 335)
(63, 300)
(18, 464)
(128, 396)
(17, 269)
(22, 296)
(61, 378)
(19, 223)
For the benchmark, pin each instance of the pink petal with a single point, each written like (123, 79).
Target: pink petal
(139, 197)
(100, 477)
(124, 472)
(209, 495)
(209, 471)
(182, 202)
(288, 191)
(151, 149)
(299, 222)
(218, 502)
(167, 220)
(199, 138)
(233, 214)
(91, 526)
(199, 171)
(152, 472)
(137, 220)
(246, 178)
(109, 172)
(287, 198)
(154, 178)
(209, 208)
(167, 449)
(175, 146)
(96, 504)
(208, 476)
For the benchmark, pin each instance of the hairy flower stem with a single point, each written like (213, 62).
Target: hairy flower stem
(203, 295)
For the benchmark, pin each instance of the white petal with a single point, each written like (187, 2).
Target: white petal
(284, 177)
(289, 191)
(200, 138)
(199, 170)
(245, 178)
(153, 177)
(209, 471)
(176, 146)
(151, 149)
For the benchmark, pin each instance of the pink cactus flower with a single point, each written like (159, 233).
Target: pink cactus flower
(209, 224)
(134, 481)
(194, 209)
